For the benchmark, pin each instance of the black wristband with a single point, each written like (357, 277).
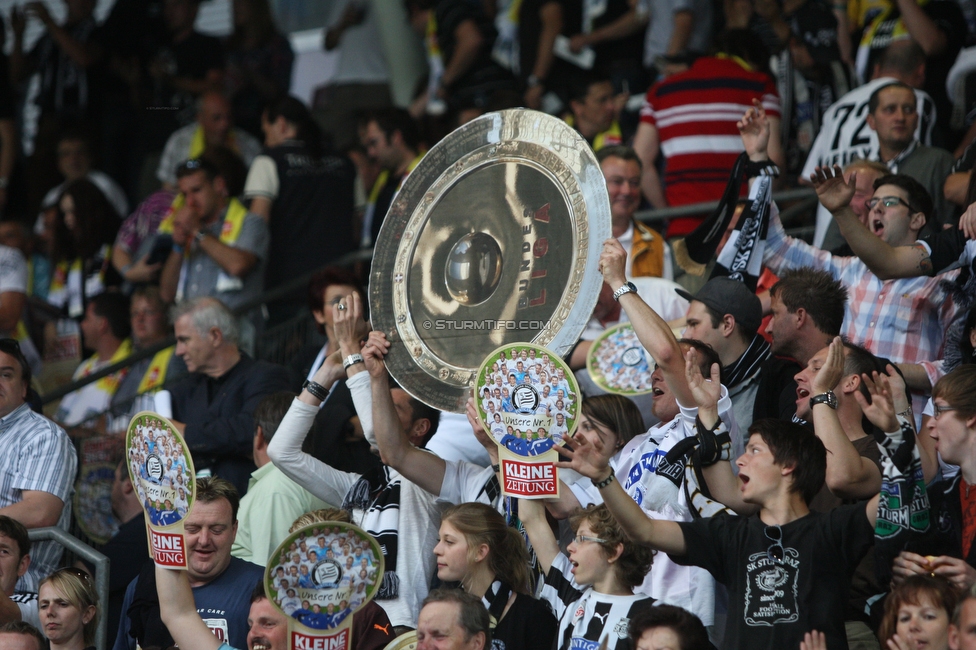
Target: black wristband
(761, 168)
(605, 482)
(318, 391)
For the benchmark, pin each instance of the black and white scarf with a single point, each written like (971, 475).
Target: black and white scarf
(741, 257)
(377, 495)
(903, 510)
(748, 364)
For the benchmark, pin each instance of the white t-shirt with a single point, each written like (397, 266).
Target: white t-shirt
(845, 136)
(634, 465)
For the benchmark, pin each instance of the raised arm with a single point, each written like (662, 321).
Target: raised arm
(884, 260)
(285, 449)
(716, 466)
(396, 450)
(652, 330)
(532, 514)
(592, 460)
(179, 613)
(849, 475)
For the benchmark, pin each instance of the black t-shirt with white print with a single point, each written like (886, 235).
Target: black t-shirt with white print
(772, 605)
(585, 616)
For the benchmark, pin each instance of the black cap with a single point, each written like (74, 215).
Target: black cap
(728, 296)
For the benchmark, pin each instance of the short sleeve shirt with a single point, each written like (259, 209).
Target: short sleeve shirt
(204, 276)
(772, 605)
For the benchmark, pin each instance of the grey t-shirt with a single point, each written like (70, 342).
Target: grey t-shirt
(204, 277)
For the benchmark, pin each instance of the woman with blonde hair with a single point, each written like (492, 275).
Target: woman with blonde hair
(490, 560)
(68, 608)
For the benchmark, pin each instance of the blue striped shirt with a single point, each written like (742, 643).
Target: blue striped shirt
(37, 455)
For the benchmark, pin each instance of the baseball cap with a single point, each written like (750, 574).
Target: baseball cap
(728, 296)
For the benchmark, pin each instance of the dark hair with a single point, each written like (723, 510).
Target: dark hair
(258, 592)
(96, 223)
(421, 411)
(797, 447)
(859, 361)
(508, 557)
(936, 589)
(229, 165)
(579, 84)
(919, 199)
(75, 134)
(17, 532)
(262, 23)
(958, 388)
(617, 413)
(875, 98)
(322, 280)
(296, 114)
(271, 411)
(391, 120)
(472, 615)
(689, 629)
(213, 488)
(193, 165)
(706, 356)
(12, 347)
(114, 307)
(817, 293)
(744, 44)
(903, 56)
(619, 151)
(635, 560)
(26, 629)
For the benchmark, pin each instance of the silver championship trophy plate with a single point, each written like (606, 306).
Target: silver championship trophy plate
(494, 238)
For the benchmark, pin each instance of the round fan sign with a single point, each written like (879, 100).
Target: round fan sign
(162, 472)
(528, 400)
(618, 363)
(319, 577)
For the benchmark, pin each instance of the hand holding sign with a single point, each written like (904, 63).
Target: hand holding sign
(161, 471)
(528, 400)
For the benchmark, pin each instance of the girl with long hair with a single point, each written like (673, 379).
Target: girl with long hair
(490, 560)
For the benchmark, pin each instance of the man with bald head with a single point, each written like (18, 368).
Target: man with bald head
(214, 126)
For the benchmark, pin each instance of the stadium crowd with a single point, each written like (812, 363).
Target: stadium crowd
(796, 474)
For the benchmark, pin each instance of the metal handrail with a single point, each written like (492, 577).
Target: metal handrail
(361, 255)
(661, 214)
(102, 566)
(268, 296)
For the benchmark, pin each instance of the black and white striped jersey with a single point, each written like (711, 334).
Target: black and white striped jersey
(585, 616)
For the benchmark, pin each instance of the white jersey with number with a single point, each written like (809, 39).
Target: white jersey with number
(845, 136)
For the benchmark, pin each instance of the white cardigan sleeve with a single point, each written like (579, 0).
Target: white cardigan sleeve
(362, 399)
(286, 453)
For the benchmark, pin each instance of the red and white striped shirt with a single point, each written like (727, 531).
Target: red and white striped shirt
(695, 113)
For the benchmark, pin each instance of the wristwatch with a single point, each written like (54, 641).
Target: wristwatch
(827, 398)
(351, 360)
(626, 287)
(198, 238)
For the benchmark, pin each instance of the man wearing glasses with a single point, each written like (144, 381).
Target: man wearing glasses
(37, 466)
(902, 320)
(893, 115)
